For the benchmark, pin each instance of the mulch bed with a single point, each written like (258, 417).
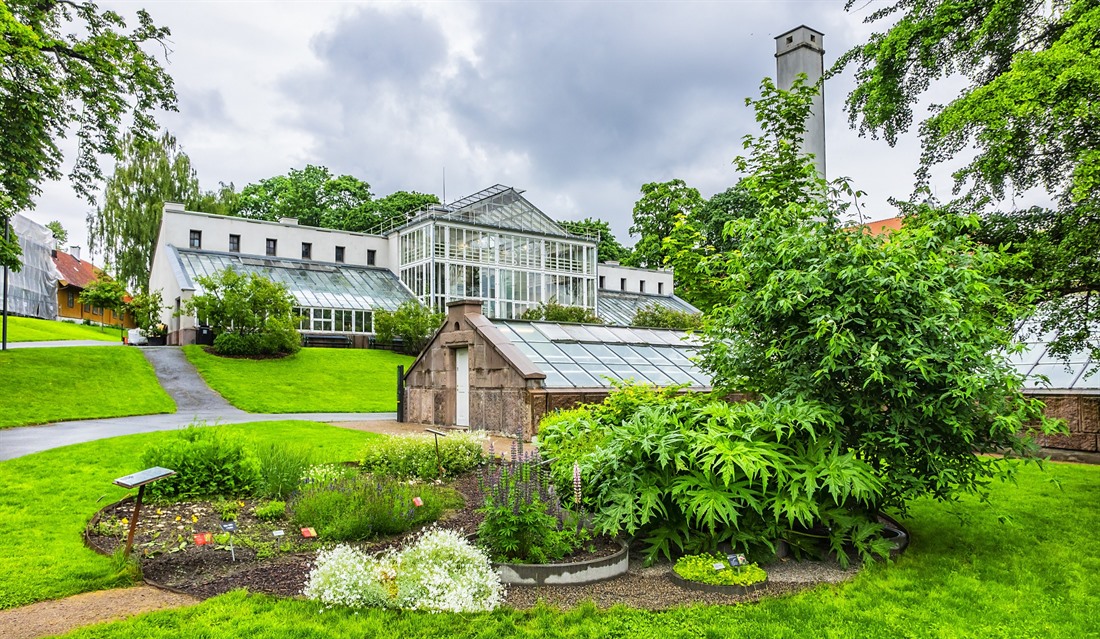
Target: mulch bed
(206, 571)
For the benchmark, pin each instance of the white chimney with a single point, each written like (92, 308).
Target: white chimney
(175, 207)
(802, 50)
(75, 252)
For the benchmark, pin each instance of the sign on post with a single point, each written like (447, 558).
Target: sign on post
(139, 480)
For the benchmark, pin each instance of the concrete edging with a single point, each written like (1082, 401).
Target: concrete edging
(581, 572)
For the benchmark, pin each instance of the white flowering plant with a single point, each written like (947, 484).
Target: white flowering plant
(439, 572)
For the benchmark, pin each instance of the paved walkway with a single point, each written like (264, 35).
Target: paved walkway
(195, 401)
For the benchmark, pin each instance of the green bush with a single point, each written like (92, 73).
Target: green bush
(414, 456)
(277, 339)
(282, 467)
(689, 472)
(412, 323)
(701, 568)
(208, 463)
(552, 311)
(270, 511)
(365, 507)
(657, 316)
(524, 521)
(250, 314)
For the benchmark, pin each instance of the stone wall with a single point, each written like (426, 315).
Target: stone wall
(1082, 415)
(498, 392)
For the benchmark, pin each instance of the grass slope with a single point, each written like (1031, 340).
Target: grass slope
(42, 385)
(28, 329)
(968, 574)
(1024, 566)
(48, 497)
(316, 380)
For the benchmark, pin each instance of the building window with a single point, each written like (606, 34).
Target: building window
(370, 257)
(340, 254)
(641, 286)
(87, 308)
(601, 281)
(271, 244)
(307, 251)
(70, 298)
(196, 239)
(622, 283)
(97, 310)
(660, 288)
(234, 243)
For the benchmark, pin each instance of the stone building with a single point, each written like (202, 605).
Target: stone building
(504, 375)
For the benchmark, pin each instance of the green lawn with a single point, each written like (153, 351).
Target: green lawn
(1025, 566)
(41, 385)
(47, 498)
(27, 329)
(316, 380)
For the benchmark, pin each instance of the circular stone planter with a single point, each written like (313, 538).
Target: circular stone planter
(581, 572)
(895, 533)
(716, 588)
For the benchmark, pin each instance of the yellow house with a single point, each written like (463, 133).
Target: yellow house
(74, 275)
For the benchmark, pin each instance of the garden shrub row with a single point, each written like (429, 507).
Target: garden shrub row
(414, 456)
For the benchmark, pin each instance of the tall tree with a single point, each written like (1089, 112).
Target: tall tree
(124, 230)
(888, 348)
(1029, 112)
(654, 215)
(609, 249)
(393, 208)
(70, 69)
(223, 201)
(313, 195)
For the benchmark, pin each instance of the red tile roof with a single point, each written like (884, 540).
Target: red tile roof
(878, 227)
(75, 272)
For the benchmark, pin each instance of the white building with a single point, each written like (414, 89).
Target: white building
(493, 245)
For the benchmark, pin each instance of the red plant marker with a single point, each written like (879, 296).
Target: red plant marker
(202, 539)
(418, 502)
(308, 533)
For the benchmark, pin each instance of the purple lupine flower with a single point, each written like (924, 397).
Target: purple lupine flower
(576, 483)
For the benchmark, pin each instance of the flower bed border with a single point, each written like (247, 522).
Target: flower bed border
(570, 574)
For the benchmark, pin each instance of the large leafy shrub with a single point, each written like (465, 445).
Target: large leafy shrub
(657, 316)
(412, 323)
(250, 313)
(208, 462)
(414, 456)
(440, 571)
(688, 472)
(900, 339)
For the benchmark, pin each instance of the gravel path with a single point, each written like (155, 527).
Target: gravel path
(48, 618)
(651, 588)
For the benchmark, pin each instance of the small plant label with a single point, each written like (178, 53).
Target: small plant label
(737, 560)
(719, 566)
(418, 502)
(309, 533)
(202, 539)
(278, 533)
(229, 526)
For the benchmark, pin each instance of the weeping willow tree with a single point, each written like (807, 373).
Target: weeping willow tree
(124, 229)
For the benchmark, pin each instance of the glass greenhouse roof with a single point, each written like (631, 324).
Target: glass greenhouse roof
(590, 356)
(617, 307)
(1036, 361)
(313, 284)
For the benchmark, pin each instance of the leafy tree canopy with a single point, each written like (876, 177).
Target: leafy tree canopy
(893, 347)
(104, 292)
(1030, 111)
(654, 215)
(59, 233)
(124, 229)
(69, 68)
(609, 249)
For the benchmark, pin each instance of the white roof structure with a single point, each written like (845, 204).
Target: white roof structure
(1048, 372)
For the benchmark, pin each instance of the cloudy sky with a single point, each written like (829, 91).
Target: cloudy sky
(578, 103)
